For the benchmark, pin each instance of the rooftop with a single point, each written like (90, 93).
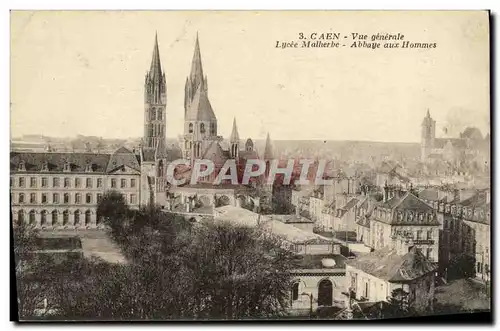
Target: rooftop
(386, 264)
(322, 261)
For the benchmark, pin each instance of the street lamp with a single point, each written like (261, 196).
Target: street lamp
(310, 302)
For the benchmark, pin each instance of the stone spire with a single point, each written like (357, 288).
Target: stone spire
(196, 77)
(155, 69)
(235, 137)
(268, 150)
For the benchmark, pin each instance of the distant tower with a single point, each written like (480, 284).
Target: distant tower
(200, 123)
(234, 141)
(428, 136)
(268, 154)
(155, 103)
(249, 145)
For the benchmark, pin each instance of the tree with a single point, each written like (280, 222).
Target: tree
(177, 270)
(236, 272)
(114, 210)
(27, 292)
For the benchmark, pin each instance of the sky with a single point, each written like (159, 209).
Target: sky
(83, 73)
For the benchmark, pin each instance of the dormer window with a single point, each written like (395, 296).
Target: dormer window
(45, 166)
(67, 167)
(22, 166)
(88, 167)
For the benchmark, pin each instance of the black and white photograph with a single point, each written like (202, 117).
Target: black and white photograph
(250, 165)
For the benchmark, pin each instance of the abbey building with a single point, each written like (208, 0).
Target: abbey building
(62, 190)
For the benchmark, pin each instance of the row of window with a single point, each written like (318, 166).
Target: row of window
(213, 128)
(67, 198)
(89, 182)
(21, 217)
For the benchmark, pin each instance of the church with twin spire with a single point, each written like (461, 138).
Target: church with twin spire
(200, 140)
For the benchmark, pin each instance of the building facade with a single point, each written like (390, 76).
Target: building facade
(62, 190)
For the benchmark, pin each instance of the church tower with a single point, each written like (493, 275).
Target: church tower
(428, 136)
(155, 103)
(234, 142)
(200, 123)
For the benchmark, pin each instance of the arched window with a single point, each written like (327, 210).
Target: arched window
(202, 128)
(44, 217)
(65, 217)
(295, 291)
(32, 217)
(213, 129)
(87, 217)
(54, 218)
(325, 293)
(77, 217)
(20, 217)
(190, 127)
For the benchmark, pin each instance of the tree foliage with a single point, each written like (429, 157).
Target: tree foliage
(177, 270)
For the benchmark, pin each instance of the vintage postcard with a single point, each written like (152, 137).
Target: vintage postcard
(246, 165)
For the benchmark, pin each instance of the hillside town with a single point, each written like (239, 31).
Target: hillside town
(413, 218)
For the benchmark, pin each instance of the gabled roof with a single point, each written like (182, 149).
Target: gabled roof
(407, 202)
(386, 264)
(478, 200)
(123, 157)
(215, 153)
(248, 155)
(428, 194)
(363, 221)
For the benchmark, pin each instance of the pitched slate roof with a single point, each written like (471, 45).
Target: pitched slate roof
(404, 204)
(428, 194)
(215, 153)
(364, 221)
(200, 108)
(386, 264)
(407, 202)
(123, 157)
(56, 161)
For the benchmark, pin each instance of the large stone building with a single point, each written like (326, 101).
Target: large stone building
(375, 276)
(61, 190)
(408, 217)
(468, 152)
